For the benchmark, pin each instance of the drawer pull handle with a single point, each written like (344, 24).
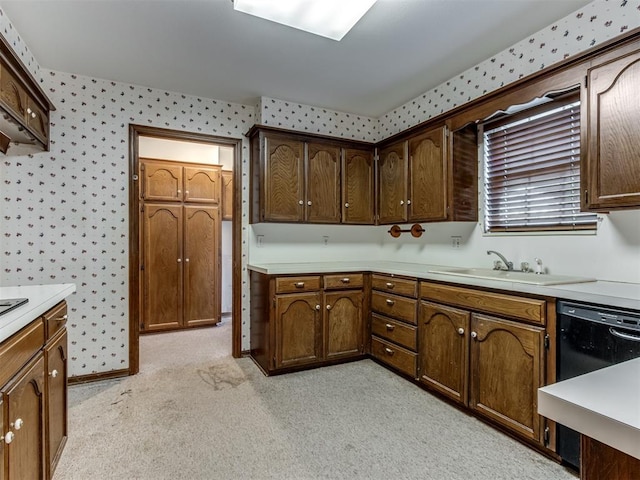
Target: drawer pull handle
(390, 302)
(346, 280)
(390, 285)
(299, 284)
(390, 327)
(389, 351)
(461, 331)
(60, 319)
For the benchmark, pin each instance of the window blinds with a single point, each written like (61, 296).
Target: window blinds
(532, 173)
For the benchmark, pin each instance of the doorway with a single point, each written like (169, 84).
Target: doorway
(151, 142)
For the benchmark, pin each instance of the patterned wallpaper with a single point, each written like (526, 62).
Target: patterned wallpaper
(65, 212)
(593, 24)
(306, 118)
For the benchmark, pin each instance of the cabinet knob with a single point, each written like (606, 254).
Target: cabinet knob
(328, 307)
(179, 260)
(346, 280)
(389, 351)
(389, 285)
(346, 205)
(317, 307)
(54, 373)
(408, 202)
(390, 327)
(300, 202)
(33, 115)
(8, 438)
(390, 302)
(18, 423)
(401, 202)
(179, 192)
(29, 111)
(299, 284)
(461, 331)
(186, 260)
(309, 202)
(474, 335)
(186, 192)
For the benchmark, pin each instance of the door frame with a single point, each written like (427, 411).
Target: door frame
(135, 132)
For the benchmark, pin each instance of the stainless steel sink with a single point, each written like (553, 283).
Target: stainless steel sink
(512, 276)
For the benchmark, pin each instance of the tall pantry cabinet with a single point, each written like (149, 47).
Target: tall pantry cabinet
(180, 243)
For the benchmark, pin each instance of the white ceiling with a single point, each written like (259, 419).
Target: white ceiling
(400, 49)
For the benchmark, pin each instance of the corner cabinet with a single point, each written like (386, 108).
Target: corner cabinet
(299, 178)
(611, 138)
(24, 107)
(33, 397)
(430, 176)
(306, 321)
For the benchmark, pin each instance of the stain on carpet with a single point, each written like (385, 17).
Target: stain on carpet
(222, 376)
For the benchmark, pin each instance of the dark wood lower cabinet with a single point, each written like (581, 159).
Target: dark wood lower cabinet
(24, 398)
(602, 462)
(322, 323)
(56, 387)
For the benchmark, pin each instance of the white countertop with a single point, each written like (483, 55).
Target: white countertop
(41, 298)
(604, 405)
(613, 294)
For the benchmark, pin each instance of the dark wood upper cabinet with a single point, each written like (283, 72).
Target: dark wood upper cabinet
(298, 178)
(392, 183)
(358, 187)
(227, 195)
(610, 135)
(428, 176)
(166, 181)
(283, 179)
(323, 183)
(202, 184)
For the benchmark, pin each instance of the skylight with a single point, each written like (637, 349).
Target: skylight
(327, 18)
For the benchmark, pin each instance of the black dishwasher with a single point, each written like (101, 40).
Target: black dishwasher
(591, 337)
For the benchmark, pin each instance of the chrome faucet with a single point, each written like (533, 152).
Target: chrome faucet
(507, 263)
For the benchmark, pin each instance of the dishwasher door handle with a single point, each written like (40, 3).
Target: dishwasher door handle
(624, 336)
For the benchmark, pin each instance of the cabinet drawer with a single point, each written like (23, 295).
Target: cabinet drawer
(297, 284)
(520, 308)
(400, 286)
(18, 349)
(394, 306)
(397, 357)
(55, 319)
(397, 332)
(348, 280)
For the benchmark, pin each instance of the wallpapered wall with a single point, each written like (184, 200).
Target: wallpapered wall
(64, 212)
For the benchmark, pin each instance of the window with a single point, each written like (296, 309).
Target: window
(532, 171)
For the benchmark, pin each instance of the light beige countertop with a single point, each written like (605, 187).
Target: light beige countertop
(41, 298)
(604, 405)
(613, 294)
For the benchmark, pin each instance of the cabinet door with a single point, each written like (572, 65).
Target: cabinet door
(56, 388)
(443, 358)
(24, 397)
(507, 368)
(283, 180)
(162, 271)
(392, 184)
(613, 138)
(343, 335)
(161, 181)
(201, 265)
(12, 94)
(323, 183)
(227, 195)
(298, 329)
(358, 187)
(202, 184)
(428, 176)
(3, 465)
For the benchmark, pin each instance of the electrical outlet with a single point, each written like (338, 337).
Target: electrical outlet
(260, 241)
(325, 240)
(455, 242)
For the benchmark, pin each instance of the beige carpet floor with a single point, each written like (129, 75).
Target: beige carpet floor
(193, 412)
